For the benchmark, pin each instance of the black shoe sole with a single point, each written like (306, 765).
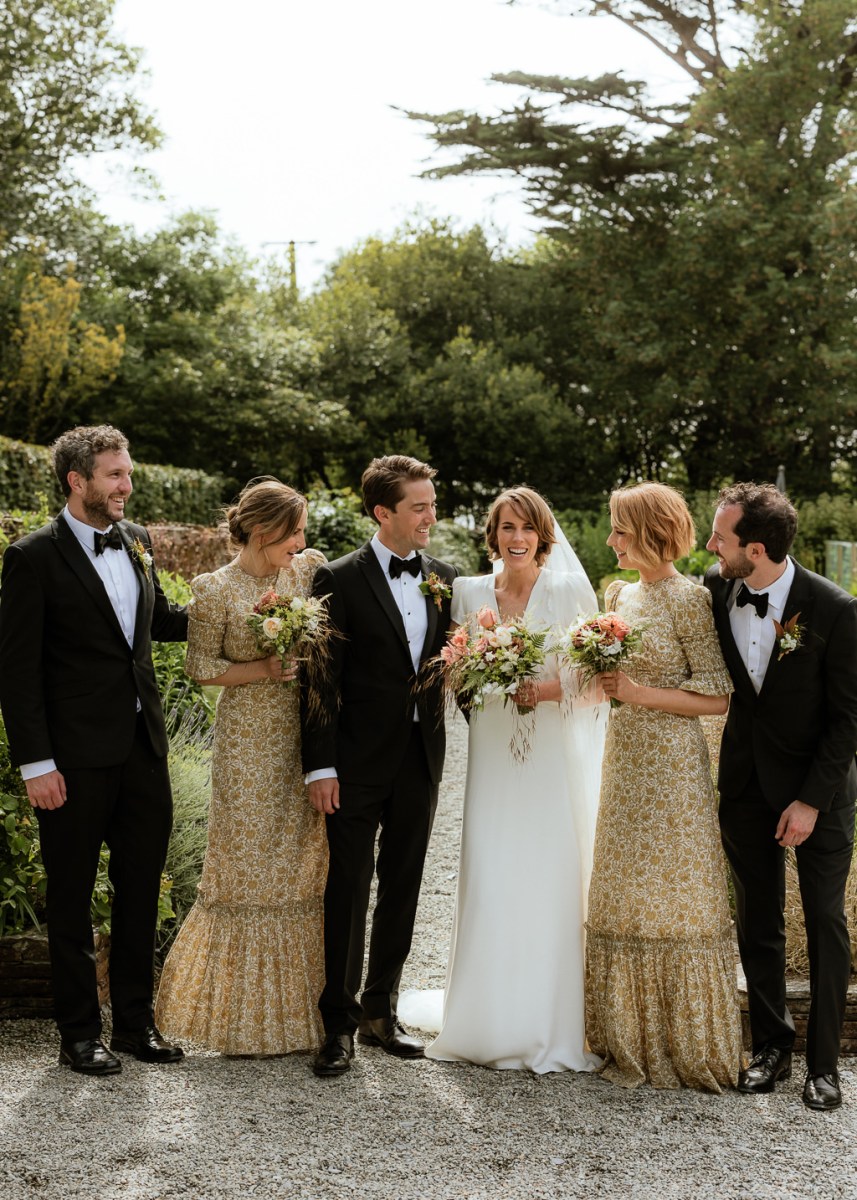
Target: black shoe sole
(766, 1088)
(369, 1039)
(65, 1060)
(330, 1072)
(171, 1056)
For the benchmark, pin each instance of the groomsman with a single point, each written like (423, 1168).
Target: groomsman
(375, 759)
(787, 775)
(79, 605)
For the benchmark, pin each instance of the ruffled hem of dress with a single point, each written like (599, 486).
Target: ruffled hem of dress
(664, 1011)
(245, 980)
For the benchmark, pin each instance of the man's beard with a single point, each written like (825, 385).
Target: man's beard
(739, 570)
(98, 512)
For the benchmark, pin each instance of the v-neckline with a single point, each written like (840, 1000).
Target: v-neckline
(518, 616)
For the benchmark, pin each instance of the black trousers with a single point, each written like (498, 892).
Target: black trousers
(757, 862)
(130, 808)
(404, 811)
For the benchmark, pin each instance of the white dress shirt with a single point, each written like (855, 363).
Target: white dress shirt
(755, 635)
(411, 604)
(122, 585)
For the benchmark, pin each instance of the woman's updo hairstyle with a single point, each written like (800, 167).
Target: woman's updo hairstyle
(274, 508)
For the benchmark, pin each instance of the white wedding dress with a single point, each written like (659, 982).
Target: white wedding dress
(514, 992)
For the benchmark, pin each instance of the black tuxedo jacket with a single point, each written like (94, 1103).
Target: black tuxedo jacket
(69, 681)
(369, 695)
(800, 731)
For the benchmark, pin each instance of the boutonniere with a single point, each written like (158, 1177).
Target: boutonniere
(789, 635)
(436, 590)
(141, 556)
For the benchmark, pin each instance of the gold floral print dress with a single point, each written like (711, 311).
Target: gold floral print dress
(661, 1002)
(247, 968)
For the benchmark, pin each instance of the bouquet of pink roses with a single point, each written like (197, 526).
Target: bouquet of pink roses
(283, 624)
(598, 644)
(486, 657)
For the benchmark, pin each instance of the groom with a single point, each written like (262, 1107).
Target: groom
(787, 775)
(374, 758)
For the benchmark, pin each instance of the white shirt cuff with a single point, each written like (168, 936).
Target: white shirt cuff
(321, 773)
(33, 770)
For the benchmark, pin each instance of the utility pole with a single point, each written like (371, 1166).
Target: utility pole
(292, 261)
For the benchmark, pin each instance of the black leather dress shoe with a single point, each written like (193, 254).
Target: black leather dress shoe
(821, 1092)
(334, 1058)
(90, 1057)
(766, 1068)
(387, 1033)
(147, 1045)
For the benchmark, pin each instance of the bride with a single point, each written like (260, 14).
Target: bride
(514, 991)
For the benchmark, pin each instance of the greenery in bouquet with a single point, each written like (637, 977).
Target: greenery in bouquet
(486, 658)
(599, 644)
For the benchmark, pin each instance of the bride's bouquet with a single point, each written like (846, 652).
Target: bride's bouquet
(486, 657)
(288, 625)
(597, 644)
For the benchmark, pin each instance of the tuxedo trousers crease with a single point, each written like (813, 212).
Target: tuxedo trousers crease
(128, 807)
(403, 811)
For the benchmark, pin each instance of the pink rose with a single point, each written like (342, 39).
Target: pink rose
(486, 617)
(269, 598)
(612, 623)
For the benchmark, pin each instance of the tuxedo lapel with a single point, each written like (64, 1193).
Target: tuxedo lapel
(146, 593)
(431, 612)
(721, 593)
(374, 576)
(75, 556)
(799, 601)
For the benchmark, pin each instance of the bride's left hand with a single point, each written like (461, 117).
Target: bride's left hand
(617, 686)
(528, 694)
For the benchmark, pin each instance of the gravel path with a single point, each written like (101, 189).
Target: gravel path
(219, 1129)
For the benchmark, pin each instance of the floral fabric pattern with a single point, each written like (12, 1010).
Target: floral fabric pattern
(247, 968)
(661, 1002)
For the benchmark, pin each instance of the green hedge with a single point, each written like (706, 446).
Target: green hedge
(171, 494)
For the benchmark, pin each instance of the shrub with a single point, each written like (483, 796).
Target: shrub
(455, 544)
(179, 694)
(160, 493)
(336, 524)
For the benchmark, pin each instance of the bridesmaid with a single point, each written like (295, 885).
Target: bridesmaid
(247, 967)
(661, 1002)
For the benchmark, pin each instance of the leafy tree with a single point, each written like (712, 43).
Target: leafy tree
(55, 360)
(65, 91)
(709, 238)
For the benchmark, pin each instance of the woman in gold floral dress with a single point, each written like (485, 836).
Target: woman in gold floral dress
(246, 970)
(661, 1002)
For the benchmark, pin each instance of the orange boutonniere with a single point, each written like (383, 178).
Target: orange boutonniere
(436, 590)
(789, 636)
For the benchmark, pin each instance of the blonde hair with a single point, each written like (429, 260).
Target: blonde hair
(274, 508)
(528, 504)
(656, 520)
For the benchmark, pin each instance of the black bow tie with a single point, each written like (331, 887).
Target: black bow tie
(759, 600)
(413, 565)
(109, 540)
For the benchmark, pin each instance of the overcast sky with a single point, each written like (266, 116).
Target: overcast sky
(279, 114)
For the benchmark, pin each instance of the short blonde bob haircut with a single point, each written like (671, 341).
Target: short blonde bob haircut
(529, 505)
(656, 521)
(274, 508)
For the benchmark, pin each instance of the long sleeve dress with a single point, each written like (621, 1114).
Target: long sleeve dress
(247, 967)
(661, 1001)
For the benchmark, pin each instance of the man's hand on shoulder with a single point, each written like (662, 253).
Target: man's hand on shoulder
(796, 824)
(47, 791)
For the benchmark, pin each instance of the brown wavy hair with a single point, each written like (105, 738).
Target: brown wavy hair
(528, 504)
(269, 505)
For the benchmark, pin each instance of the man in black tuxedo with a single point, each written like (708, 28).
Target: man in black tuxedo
(375, 757)
(787, 775)
(79, 605)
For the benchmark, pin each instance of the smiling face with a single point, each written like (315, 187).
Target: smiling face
(407, 527)
(280, 552)
(517, 539)
(622, 544)
(736, 561)
(100, 501)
